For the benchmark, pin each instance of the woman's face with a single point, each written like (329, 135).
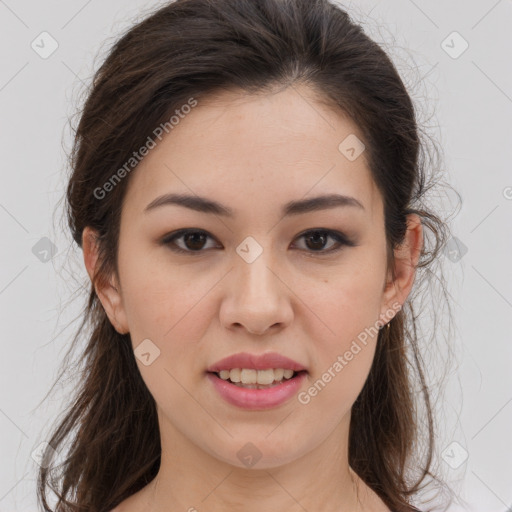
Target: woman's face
(257, 280)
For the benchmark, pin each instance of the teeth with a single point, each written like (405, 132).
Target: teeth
(288, 374)
(259, 377)
(226, 374)
(279, 374)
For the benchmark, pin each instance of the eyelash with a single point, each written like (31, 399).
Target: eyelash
(336, 235)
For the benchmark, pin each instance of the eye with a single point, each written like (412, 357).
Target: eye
(194, 240)
(317, 239)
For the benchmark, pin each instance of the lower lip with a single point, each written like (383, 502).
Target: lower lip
(257, 398)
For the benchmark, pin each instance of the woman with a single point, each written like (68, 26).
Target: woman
(245, 189)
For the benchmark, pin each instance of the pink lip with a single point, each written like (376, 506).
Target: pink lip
(256, 362)
(254, 399)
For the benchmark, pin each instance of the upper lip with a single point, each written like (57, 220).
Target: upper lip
(256, 362)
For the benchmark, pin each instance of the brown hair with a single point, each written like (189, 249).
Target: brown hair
(191, 49)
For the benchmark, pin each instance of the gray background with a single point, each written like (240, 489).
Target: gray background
(466, 97)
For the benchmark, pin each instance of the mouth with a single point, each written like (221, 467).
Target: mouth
(249, 378)
(251, 390)
(256, 381)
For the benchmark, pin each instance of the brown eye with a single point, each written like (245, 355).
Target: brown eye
(316, 240)
(196, 240)
(193, 240)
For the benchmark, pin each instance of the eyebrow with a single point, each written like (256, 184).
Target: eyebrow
(204, 205)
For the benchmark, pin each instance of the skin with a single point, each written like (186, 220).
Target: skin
(254, 154)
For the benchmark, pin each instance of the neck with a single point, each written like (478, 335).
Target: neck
(191, 479)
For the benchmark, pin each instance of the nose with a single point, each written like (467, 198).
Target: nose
(257, 298)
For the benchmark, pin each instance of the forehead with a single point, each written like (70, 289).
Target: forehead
(247, 150)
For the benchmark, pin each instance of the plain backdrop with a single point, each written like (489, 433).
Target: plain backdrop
(460, 50)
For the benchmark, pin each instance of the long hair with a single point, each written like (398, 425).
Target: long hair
(191, 49)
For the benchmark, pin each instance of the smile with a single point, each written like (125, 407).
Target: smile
(253, 395)
(259, 379)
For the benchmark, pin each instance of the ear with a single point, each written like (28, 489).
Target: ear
(406, 259)
(108, 292)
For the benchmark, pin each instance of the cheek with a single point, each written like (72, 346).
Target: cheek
(163, 306)
(162, 302)
(348, 298)
(349, 305)
(342, 361)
